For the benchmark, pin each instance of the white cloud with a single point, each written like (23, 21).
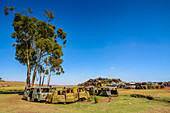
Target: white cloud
(112, 68)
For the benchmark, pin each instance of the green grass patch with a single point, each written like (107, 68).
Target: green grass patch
(11, 89)
(124, 104)
(158, 94)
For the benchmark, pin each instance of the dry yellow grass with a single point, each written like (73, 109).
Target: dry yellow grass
(153, 92)
(123, 104)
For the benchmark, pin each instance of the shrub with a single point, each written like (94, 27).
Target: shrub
(96, 100)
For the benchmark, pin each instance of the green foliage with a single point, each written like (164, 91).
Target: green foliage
(36, 40)
(49, 15)
(96, 100)
(102, 93)
(7, 9)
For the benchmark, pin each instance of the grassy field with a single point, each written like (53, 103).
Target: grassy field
(11, 89)
(121, 104)
(158, 94)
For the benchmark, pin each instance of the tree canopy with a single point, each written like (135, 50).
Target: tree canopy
(36, 44)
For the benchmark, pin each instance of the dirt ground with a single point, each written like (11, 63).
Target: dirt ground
(122, 104)
(15, 103)
(167, 88)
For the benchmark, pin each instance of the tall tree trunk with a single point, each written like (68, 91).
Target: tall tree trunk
(40, 80)
(40, 72)
(45, 71)
(28, 77)
(36, 68)
(49, 79)
(28, 69)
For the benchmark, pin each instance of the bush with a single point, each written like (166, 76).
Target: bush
(96, 100)
(90, 100)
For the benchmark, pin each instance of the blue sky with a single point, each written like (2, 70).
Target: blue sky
(126, 39)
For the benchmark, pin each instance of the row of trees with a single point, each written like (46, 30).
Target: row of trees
(37, 44)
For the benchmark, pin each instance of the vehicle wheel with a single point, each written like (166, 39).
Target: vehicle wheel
(32, 100)
(28, 99)
(39, 100)
(35, 100)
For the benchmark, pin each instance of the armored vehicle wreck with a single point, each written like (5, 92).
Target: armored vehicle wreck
(38, 93)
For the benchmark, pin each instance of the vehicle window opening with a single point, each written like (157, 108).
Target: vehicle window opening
(45, 90)
(38, 90)
(58, 92)
(63, 92)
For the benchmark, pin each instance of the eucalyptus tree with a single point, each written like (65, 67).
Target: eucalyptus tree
(24, 34)
(36, 42)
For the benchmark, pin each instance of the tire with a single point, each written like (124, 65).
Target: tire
(28, 99)
(35, 100)
(39, 100)
(32, 100)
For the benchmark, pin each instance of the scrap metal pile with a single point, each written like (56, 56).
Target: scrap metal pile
(100, 82)
(103, 82)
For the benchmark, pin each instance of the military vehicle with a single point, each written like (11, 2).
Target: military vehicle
(130, 86)
(108, 91)
(138, 86)
(57, 96)
(113, 85)
(71, 94)
(38, 93)
(155, 85)
(103, 91)
(121, 85)
(67, 94)
(27, 93)
(83, 94)
(149, 84)
(161, 85)
(92, 90)
(144, 85)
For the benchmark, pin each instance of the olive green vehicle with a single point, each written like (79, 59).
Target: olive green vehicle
(63, 95)
(92, 90)
(155, 85)
(27, 93)
(38, 93)
(130, 86)
(149, 84)
(144, 85)
(108, 91)
(161, 85)
(83, 94)
(103, 91)
(138, 86)
(67, 94)
(57, 96)
(71, 94)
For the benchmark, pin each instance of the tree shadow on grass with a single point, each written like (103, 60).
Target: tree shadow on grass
(12, 92)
